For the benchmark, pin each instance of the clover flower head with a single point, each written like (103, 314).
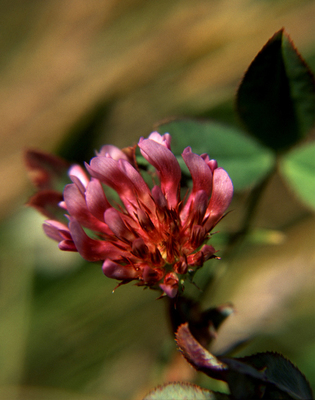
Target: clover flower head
(151, 235)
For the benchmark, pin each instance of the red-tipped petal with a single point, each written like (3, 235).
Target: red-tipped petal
(107, 171)
(195, 208)
(116, 224)
(221, 197)
(159, 197)
(200, 172)
(77, 208)
(201, 176)
(212, 164)
(139, 249)
(170, 285)
(164, 140)
(152, 276)
(96, 200)
(67, 245)
(112, 151)
(78, 172)
(139, 186)
(56, 230)
(113, 174)
(203, 255)
(166, 164)
(121, 272)
(91, 249)
(78, 183)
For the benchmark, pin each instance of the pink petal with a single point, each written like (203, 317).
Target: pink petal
(96, 200)
(195, 208)
(76, 206)
(197, 236)
(165, 139)
(199, 170)
(221, 197)
(199, 206)
(127, 182)
(56, 230)
(112, 151)
(151, 276)
(166, 164)
(107, 171)
(78, 183)
(144, 220)
(139, 248)
(114, 270)
(67, 245)
(212, 164)
(201, 176)
(140, 187)
(159, 197)
(116, 224)
(194, 214)
(203, 255)
(90, 249)
(78, 172)
(170, 285)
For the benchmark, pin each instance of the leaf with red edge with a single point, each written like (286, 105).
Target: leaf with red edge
(198, 356)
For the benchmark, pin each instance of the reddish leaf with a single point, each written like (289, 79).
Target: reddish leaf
(198, 356)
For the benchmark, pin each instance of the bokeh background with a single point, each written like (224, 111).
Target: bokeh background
(77, 74)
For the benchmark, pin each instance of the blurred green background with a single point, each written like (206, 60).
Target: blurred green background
(76, 75)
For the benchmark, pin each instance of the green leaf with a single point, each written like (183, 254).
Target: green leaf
(246, 161)
(276, 99)
(184, 391)
(298, 167)
(281, 376)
